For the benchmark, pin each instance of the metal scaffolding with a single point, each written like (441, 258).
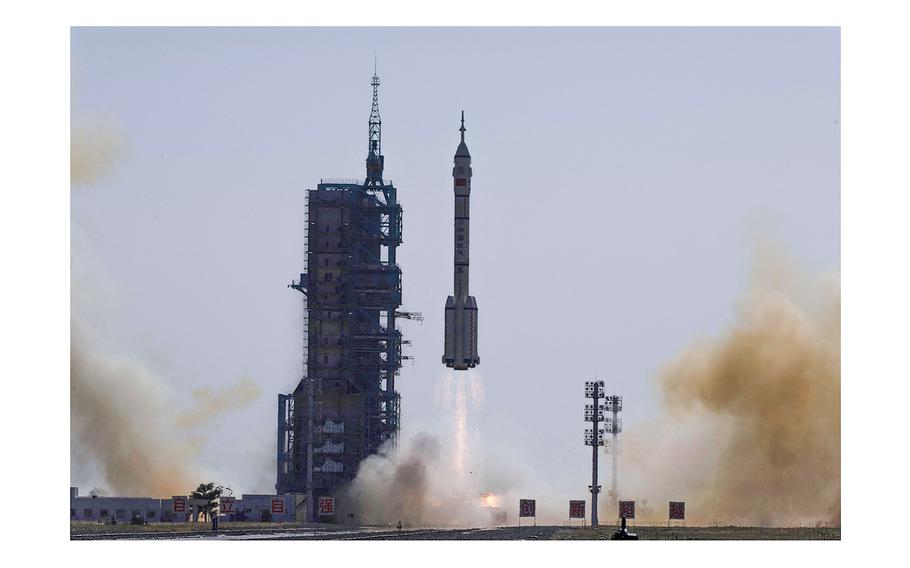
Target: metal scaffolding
(345, 406)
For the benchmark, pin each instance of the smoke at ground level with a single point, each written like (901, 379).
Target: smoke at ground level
(750, 432)
(129, 428)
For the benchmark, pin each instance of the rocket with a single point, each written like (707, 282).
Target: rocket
(461, 309)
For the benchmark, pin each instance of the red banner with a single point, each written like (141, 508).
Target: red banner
(677, 510)
(627, 509)
(326, 506)
(180, 504)
(278, 506)
(527, 508)
(227, 505)
(576, 509)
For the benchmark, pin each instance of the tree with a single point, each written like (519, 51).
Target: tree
(210, 493)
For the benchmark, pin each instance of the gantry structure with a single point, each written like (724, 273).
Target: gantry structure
(345, 407)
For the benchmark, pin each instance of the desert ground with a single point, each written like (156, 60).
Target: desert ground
(301, 531)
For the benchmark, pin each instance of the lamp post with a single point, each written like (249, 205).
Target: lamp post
(594, 437)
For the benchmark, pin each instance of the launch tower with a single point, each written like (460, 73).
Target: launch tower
(345, 406)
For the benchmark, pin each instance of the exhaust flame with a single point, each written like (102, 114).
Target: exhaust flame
(490, 500)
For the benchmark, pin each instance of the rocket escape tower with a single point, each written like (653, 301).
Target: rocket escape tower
(345, 406)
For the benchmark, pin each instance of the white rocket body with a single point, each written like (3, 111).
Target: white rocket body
(461, 308)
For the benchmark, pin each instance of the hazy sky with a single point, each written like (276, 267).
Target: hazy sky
(617, 176)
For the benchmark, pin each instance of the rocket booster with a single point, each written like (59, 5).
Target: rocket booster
(461, 308)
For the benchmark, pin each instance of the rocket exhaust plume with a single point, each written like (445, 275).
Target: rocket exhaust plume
(752, 429)
(461, 430)
(392, 486)
(424, 482)
(458, 398)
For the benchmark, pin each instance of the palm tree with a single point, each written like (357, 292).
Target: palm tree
(210, 493)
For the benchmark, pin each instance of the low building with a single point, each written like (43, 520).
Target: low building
(106, 509)
(263, 509)
(178, 509)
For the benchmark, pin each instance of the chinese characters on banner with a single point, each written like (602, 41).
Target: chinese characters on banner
(576, 509)
(278, 506)
(226, 506)
(527, 508)
(627, 509)
(179, 504)
(326, 506)
(677, 510)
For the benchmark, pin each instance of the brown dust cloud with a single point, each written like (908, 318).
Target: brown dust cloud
(750, 433)
(126, 424)
(130, 426)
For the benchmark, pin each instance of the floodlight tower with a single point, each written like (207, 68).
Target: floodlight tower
(594, 437)
(613, 403)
